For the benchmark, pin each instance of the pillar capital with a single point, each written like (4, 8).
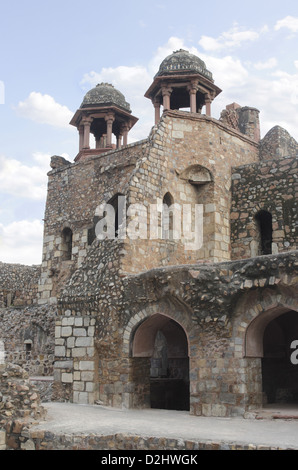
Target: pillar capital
(86, 121)
(166, 90)
(193, 86)
(110, 117)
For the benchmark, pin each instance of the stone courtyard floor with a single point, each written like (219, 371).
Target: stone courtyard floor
(267, 430)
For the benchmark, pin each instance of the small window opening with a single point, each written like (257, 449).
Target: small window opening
(118, 203)
(264, 220)
(167, 217)
(66, 244)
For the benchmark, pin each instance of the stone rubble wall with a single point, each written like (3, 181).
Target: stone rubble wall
(202, 298)
(18, 284)
(34, 325)
(41, 440)
(270, 185)
(19, 404)
(74, 192)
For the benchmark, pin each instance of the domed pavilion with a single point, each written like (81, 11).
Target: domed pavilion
(182, 81)
(103, 112)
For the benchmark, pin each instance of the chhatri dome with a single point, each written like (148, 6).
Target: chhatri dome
(105, 94)
(182, 62)
(104, 112)
(182, 81)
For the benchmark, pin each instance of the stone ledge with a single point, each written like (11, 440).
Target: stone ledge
(50, 441)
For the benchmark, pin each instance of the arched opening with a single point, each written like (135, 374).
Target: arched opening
(279, 374)
(167, 219)
(164, 342)
(264, 221)
(66, 247)
(109, 220)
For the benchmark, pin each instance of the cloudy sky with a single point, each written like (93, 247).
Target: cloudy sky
(53, 52)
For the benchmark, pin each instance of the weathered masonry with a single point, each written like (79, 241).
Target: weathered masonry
(147, 320)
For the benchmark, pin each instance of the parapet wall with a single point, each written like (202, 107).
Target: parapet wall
(18, 284)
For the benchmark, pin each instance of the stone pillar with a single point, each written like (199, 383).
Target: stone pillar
(156, 104)
(87, 124)
(81, 137)
(110, 118)
(193, 88)
(98, 140)
(119, 141)
(124, 130)
(208, 102)
(166, 94)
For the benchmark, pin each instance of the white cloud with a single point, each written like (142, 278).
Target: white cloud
(25, 181)
(289, 22)
(268, 64)
(21, 242)
(229, 39)
(44, 109)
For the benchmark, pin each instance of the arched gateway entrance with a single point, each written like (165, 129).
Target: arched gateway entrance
(270, 337)
(163, 345)
(279, 374)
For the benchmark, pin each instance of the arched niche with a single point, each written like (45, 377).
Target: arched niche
(197, 175)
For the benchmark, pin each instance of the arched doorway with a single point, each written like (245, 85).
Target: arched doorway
(279, 374)
(269, 337)
(164, 342)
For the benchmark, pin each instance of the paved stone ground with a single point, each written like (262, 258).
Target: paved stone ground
(66, 418)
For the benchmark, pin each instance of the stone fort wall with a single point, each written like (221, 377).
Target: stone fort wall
(18, 284)
(269, 185)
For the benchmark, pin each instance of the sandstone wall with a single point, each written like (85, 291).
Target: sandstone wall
(182, 142)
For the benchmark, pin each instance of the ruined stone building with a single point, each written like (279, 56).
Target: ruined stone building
(152, 318)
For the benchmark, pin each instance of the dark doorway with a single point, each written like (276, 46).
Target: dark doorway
(164, 341)
(279, 374)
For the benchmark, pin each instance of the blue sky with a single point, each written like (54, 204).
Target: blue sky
(53, 52)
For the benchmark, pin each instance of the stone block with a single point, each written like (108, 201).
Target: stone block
(86, 365)
(79, 332)
(78, 352)
(60, 351)
(66, 377)
(66, 331)
(2, 437)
